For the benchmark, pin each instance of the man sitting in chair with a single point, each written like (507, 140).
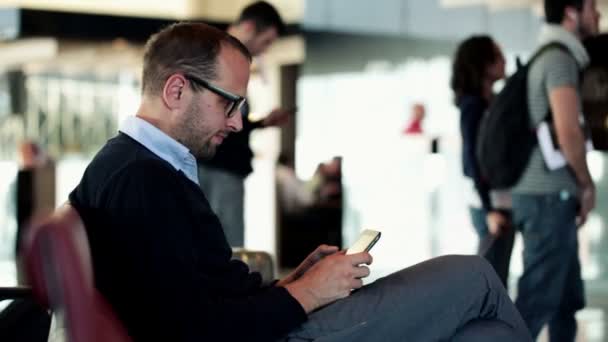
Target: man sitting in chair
(161, 259)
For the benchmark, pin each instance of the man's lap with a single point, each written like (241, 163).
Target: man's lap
(428, 301)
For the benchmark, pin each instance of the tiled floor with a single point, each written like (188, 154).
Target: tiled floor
(592, 324)
(593, 320)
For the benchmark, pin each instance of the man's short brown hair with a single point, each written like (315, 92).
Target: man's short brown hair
(188, 48)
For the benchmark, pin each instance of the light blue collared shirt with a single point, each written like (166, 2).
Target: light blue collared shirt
(162, 145)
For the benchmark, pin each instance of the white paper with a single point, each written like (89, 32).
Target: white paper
(553, 157)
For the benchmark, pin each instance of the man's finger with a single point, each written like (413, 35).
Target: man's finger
(361, 258)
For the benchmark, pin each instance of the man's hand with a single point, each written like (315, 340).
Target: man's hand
(497, 222)
(277, 117)
(330, 279)
(587, 200)
(321, 252)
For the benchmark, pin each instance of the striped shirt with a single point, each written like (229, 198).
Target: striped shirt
(554, 68)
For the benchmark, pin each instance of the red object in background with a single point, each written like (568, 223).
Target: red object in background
(414, 128)
(416, 118)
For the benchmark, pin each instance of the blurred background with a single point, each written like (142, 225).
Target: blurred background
(70, 73)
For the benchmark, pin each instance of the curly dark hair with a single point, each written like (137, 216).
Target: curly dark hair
(472, 58)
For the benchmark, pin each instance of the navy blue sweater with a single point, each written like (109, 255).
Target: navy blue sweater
(472, 109)
(161, 259)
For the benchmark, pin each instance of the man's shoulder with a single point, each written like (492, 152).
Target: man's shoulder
(559, 55)
(553, 59)
(124, 157)
(122, 151)
(555, 67)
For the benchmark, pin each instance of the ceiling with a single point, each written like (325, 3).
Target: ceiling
(491, 3)
(498, 4)
(536, 5)
(213, 10)
(224, 10)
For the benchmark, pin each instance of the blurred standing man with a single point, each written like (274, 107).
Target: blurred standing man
(549, 205)
(222, 177)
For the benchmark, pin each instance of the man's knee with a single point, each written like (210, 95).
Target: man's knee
(472, 266)
(484, 330)
(468, 262)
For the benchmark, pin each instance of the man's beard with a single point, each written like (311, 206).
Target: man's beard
(585, 32)
(192, 139)
(206, 152)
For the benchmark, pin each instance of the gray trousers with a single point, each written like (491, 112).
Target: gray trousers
(225, 192)
(450, 298)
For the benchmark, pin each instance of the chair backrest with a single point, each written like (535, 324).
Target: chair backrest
(58, 264)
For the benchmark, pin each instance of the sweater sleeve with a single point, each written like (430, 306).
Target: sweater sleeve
(472, 111)
(188, 284)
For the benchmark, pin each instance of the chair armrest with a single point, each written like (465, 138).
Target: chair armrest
(258, 261)
(7, 293)
(23, 319)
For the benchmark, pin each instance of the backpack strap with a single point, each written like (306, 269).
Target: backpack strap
(539, 52)
(547, 47)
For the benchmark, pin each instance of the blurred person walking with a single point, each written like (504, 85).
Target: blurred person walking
(478, 64)
(34, 192)
(222, 177)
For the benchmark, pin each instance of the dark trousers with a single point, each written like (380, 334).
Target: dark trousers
(450, 298)
(496, 249)
(550, 290)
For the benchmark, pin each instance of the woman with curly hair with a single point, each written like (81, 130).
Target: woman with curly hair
(478, 64)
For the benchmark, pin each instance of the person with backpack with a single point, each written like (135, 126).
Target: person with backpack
(478, 64)
(550, 201)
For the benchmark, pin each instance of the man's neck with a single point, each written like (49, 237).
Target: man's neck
(238, 33)
(146, 113)
(572, 28)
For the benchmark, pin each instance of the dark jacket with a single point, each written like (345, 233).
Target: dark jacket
(472, 109)
(161, 259)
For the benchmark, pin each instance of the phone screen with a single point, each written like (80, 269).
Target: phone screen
(365, 242)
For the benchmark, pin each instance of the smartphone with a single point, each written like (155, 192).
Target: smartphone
(365, 242)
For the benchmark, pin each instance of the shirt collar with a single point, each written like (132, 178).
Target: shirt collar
(162, 145)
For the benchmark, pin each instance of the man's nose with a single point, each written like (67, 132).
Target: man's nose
(235, 123)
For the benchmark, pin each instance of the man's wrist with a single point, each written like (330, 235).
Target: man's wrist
(303, 295)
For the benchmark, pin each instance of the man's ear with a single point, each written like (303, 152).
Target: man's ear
(249, 27)
(572, 14)
(173, 92)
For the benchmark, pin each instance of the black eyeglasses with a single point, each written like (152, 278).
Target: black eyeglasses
(235, 102)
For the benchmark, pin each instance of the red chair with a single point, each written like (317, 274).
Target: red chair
(58, 265)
